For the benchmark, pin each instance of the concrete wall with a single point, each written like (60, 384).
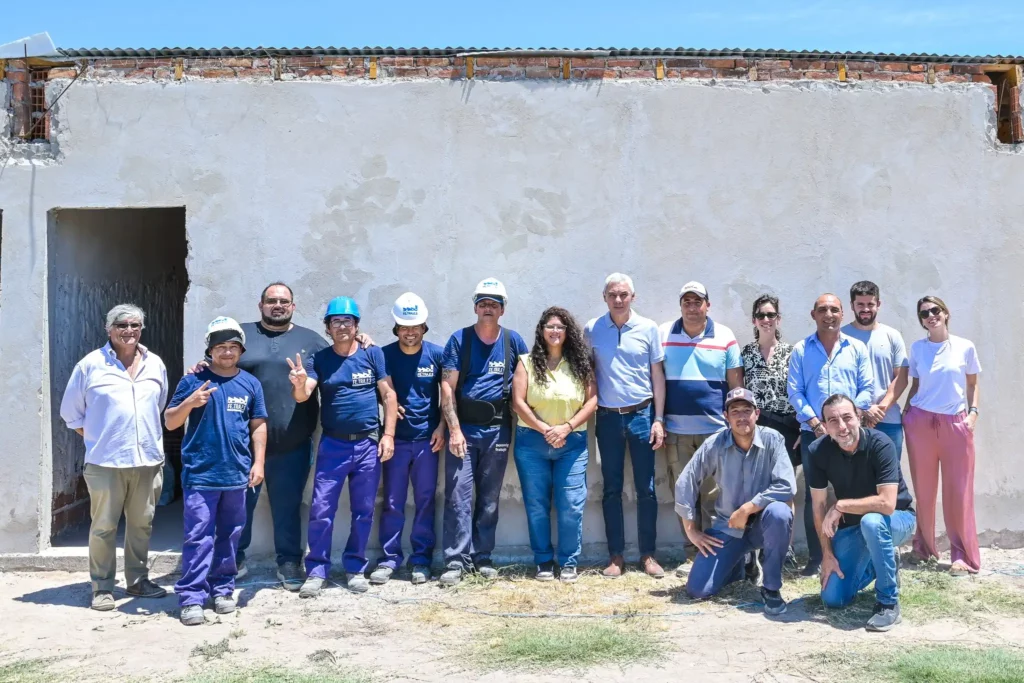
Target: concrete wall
(372, 189)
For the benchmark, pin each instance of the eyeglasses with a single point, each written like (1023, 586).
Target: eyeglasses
(342, 322)
(273, 302)
(128, 326)
(554, 328)
(926, 313)
(769, 316)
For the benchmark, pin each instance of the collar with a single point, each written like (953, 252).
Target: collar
(626, 325)
(709, 329)
(844, 340)
(108, 351)
(757, 442)
(862, 445)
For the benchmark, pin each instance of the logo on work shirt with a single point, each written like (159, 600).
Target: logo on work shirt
(425, 372)
(496, 367)
(237, 404)
(362, 379)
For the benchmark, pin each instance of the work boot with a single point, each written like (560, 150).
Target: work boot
(774, 605)
(545, 571)
(683, 570)
(616, 567)
(487, 570)
(568, 575)
(884, 617)
(103, 601)
(290, 576)
(420, 574)
(145, 589)
(242, 570)
(223, 604)
(381, 575)
(651, 567)
(452, 577)
(192, 615)
(356, 583)
(311, 588)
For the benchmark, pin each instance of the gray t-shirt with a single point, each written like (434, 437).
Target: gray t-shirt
(887, 352)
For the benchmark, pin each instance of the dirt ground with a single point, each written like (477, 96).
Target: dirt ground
(401, 632)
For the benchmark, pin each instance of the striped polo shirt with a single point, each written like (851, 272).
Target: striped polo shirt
(695, 381)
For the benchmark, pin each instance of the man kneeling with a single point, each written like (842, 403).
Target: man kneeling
(871, 518)
(755, 479)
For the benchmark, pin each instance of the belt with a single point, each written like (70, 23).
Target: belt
(357, 436)
(627, 409)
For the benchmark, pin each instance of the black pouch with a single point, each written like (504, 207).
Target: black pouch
(476, 412)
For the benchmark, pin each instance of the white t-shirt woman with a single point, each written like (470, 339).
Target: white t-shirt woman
(941, 369)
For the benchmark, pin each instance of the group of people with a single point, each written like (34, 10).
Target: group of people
(735, 423)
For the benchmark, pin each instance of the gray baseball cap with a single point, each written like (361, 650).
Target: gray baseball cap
(740, 394)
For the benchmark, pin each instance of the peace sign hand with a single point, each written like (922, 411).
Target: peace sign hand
(297, 374)
(201, 395)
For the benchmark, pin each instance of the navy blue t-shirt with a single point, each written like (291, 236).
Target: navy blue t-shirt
(417, 381)
(487, 366)
(348, 388)
(215, 452)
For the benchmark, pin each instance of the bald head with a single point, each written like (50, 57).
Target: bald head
(828, 315)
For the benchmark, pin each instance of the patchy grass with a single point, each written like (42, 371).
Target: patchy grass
(564, 645)
(27, 671)
(210, 651)
(275, 674)
(920, 664)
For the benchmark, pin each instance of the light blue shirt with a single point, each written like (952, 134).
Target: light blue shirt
(623, 359)
(814, 375)
(120, 416)
(887, 352)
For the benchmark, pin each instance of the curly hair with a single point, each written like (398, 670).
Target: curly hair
(574, 349)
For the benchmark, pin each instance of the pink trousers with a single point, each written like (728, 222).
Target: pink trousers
(934, 442)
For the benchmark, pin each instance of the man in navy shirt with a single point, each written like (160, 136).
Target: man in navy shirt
(475, 392)
(225, 411)
(414, 366)
(349, 378)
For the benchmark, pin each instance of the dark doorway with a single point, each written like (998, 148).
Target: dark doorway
(99, 258)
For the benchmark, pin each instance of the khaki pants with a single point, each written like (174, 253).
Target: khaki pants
(679, 450)
(113, 490)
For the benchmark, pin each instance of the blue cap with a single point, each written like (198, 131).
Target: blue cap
(342, 305)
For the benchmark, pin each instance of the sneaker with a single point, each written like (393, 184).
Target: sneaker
(616, 567)
(223, 604)
(381, 575)
(450, 578)
(311, 587)
(290, 576)
(420, 574)
(752, 571)
(774, 605)
(356, 583)
(545, 571)
(243, 570)
(103, 601)
(790, 563)
(145, 589)
(884, 617)
(568, 575)
(812, 569)
(487, 570)
(651, 567)
(192, 615)
(683, 570)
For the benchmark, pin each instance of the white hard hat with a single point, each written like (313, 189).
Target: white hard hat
(409, 310)
(490, 288)
(224, 329)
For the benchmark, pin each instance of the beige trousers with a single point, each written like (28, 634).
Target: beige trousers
(113, 490)
(679, 450)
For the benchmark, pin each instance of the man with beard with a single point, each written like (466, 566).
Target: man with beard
(888, 356)
(825, 363)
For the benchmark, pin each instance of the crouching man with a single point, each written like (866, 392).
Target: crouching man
(872, 517)
(751, 467)
(226, 412)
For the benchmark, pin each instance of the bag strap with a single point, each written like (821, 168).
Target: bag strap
(506, 375)
(467, 352)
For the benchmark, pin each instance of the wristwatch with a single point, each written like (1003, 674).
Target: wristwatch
(660, 419)
(972, 410)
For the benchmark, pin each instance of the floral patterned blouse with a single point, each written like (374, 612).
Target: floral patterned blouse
(767, 381)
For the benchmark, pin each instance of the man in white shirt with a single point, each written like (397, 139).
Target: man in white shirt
(113, 400)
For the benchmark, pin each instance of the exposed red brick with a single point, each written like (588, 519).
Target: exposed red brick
(782, 75)
(162, 74)
(876, 76)
(981, 78)
(913, 78)
(217, 73)
(831, 66)
(968, 69)
(589, 73)
(690, 73)
(682, 63)
(808, 64)
(313, 72)
(731, 73)
(62, 73)
(542, 72)
(719, 63)
(952, 78)
(918, 67)
(821, 75)
(741, 63)
(635, 73)
(938, 68)
(410, 71)
(894, 66)
(119, 63)
(432, 61)
(352, 72)
(622, 63)
(493, 61)
(155, 62)
(302, 61)
(773, 64)
(255, 73)
(144, 74)
(17, 75)
(241, 62)
(861, 66)
(337, 61)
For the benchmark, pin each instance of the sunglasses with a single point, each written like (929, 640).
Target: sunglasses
(769, 316)
(926, 313)
(128, 326)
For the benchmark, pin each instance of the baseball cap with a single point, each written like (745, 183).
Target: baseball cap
(694, 287)
(740, 394)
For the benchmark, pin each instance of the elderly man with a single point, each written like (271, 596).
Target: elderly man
(755, 479)
(824, 363)
(872, 516)
(113, 400)
(629, 364)
(702, 363)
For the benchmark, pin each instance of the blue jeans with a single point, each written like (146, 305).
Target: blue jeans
(770, 531)
(285, 476)
(213, 522)
(866, 553)
(614, 432)
(813, 543)
(894, 432)
(541, 469)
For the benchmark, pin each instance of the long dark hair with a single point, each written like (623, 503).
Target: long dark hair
(574, 349)
(758, 303)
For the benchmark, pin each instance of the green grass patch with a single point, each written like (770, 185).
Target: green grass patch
(276, 674)
(957, 665)
(27, 671)
(565, 645)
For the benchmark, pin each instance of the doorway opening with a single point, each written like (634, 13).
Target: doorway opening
(99, 258)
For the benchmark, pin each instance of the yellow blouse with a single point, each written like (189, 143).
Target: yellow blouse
(558, 400)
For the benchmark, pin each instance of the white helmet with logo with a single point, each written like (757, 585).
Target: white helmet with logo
(224, 329)
(490, 288)
(409, 310)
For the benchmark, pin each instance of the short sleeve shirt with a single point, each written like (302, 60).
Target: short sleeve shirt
(857, 474)
(417, 381)
(484, 381)
(348, 388)
(887, 352)
(941, 371)
(767, 379)
(215, 450)
(623, 358)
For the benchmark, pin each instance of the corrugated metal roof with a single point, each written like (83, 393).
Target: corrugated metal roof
(452, 51)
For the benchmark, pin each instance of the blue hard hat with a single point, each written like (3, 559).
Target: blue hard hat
(342, 305)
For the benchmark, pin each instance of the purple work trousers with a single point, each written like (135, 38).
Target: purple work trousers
(337, 460)
(413, 460)
(213, 525)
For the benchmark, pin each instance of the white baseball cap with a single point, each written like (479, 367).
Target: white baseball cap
(409, 310)
(224, 329)
(694, 287)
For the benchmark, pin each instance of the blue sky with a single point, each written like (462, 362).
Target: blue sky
(941, 26)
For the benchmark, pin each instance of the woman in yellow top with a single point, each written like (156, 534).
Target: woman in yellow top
(554, 394)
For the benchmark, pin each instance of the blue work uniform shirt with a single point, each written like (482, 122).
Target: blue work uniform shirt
(814, 375)
(417, 381)
(348, 388)
(623, 359)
